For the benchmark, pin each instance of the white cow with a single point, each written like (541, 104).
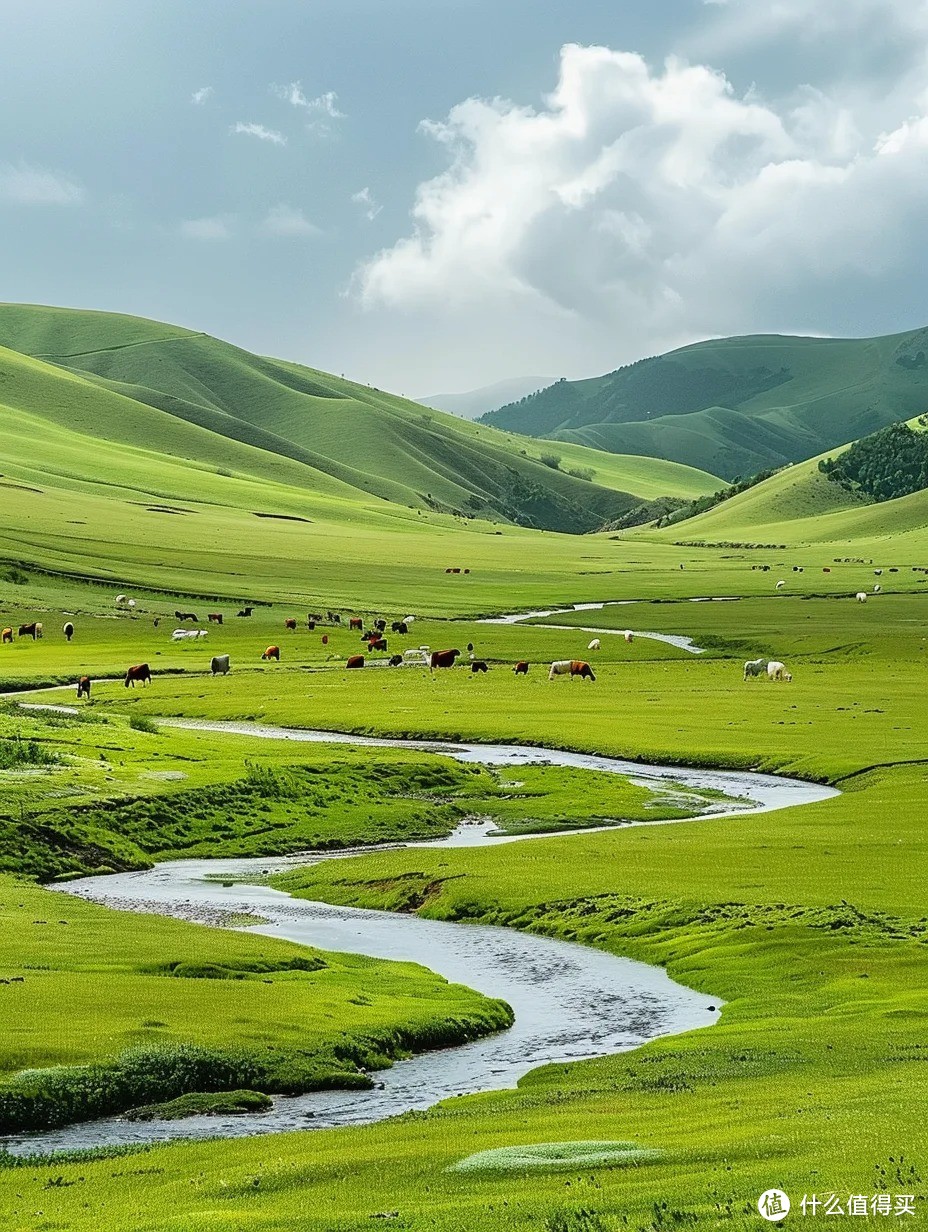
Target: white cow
(861, 596)
(629, 636)
(130, 603)
(408, 620)
(755, 667)
(780, 584)
(120, 600)
(777, 671)
(877, 588)
(595, 644)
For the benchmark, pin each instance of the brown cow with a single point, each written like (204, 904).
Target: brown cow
(214, 618)
(141, 671)
(521, 668)
(272, 652)
(7, 635)
(377, 643)
(571, 668)
(442, 658)
(290, 624)
(355, 623)
(355, 661)
(83, 688)
(325, 639)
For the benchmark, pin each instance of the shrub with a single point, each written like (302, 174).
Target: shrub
(142, 723)
(16, 753)
(550, 459)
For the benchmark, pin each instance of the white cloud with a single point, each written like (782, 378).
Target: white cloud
(198, 97)
(22, 184)
(216, 228)
(259, 131)
(326, 104)
(285, 222)
(644, 207)
(365, 198)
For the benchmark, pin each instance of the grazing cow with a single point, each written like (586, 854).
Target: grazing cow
(755, 667)
(272, 652)
(395, 660)
(877, 588)
(879, 572)
(219, 665)
(200, 632)
(246, 611)
(355, 623)
(780, 584)
(478, 666)
(83, 688)
(39, 628)
(68, 630)
(521, 668)
(290, 624)
(214, 618)
(7, 635)
(157, 621)
(629, 635)
(377, 643)
(182, 616)
(355, 661)
(310, 624)
(442, 658)
(325, 639)
(595, 644)
(131, 604)
(417, 656)
(571, 668)
(399, 626)
(826, 571)
(408, 620)
(861, 596)
(29, 630)
(380, 625)
(120, 600)
(141, 671)
(777, 671)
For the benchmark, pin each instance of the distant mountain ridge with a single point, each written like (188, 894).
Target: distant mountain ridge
(476, 402)
(735, 406)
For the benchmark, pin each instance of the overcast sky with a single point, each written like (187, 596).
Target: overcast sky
(432, 195)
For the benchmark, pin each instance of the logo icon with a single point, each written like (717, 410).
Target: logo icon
(773, 1205)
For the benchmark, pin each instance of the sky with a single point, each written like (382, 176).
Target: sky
(434, 195)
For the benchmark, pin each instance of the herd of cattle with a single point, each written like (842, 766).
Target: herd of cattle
(376, 640)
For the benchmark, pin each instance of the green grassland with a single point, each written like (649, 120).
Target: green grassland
(143, 389)
(735, 406)
(808, 923)
(88, 793)
(155, 1005)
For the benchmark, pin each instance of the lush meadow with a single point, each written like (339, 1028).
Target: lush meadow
(808, 923)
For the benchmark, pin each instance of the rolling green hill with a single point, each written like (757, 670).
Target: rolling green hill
(735, 406)
(801, 505)
(122, 384)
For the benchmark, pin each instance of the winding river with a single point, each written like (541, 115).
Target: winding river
(570, 1001)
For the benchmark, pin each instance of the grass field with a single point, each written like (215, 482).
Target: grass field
(808, 923)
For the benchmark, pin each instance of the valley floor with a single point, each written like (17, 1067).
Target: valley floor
(807, 923)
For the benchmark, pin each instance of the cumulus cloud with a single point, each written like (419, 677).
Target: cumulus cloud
(365, 199)
(23, 184)
(653, 205)
(216, 228)
(259, 131)
(198, 97)
(283, 221)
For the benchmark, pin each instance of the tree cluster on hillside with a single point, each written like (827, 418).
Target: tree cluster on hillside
(702, 503)
(888, 464)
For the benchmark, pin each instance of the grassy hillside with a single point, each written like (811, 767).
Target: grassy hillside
(800, 505)
(734, 406)
(166, 390)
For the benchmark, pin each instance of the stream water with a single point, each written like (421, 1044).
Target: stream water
(570, 1001)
